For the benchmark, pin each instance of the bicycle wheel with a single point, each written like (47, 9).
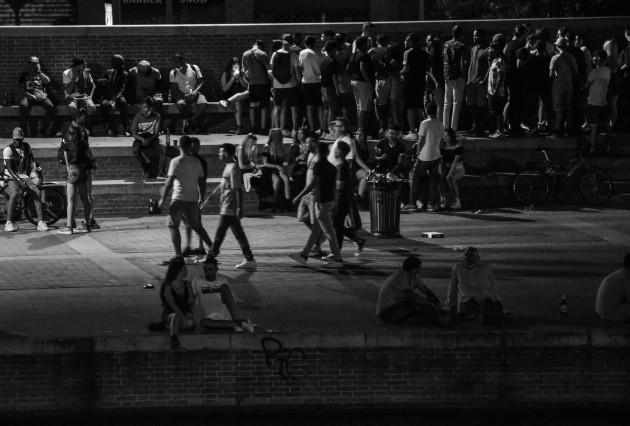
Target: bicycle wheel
(595, 186)
(531, 187)
(53, 206)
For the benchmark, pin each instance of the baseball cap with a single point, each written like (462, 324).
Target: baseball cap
(18, 133)
(33, 60)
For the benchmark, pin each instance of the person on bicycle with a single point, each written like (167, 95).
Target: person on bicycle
(19, 163)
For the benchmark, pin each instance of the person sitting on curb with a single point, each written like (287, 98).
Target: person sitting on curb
(613, 295)
(145, 130)
(473, 291)
(177, 298)
(186, 81)
(18, 166)
(404, 297)
(34, 83)
(215, 302)
(115, 81)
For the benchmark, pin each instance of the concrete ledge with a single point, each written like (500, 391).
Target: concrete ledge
(62, 110)
(236, 342)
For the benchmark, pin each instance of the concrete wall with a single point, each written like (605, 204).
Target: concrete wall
(485, 370)
(210, 46)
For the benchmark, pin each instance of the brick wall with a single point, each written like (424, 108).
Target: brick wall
(484, 377)
(210, 46)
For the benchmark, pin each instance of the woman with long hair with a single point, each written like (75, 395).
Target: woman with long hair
(235, 90)
(611, 48)
(177, 300)
(298, 156)
(274, 164)
(247, 156)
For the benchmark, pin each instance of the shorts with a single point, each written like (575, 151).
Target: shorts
(496, 104)
(476, 94)
(312, 94)
(362, 95)
(285, 97)
(76, 174)
(413, 94)
(306, 209)
(561, 97)
(597, 114)
(200, 99)
(188, 209)
(329, 97)
(259, 95)
(383, 89)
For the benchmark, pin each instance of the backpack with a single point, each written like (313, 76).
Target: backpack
(25, 161)
(282, 67)
(62, 148)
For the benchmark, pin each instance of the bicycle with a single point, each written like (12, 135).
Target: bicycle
(53, 204)
(532, 184)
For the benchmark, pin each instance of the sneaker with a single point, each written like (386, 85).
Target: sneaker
(248, 326)
(94, 224)
(167, 262)
(317, 251)
(246, 264)
(84, 228)
(238, 131)
(333, 264)
(456, 204)
(411, 136)
(496, 135)
(431, 208)
(443, 202)
(198, 252)
(359, 246)
(41, 226)
(409, 208)
(66, 231)
(126, 132)
(286, 133)
(419, 205)
(187, 252)
(9, 227)
(298, 257)
(328, 257)
(224, 103)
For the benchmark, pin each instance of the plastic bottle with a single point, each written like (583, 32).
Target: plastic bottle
(564, 308)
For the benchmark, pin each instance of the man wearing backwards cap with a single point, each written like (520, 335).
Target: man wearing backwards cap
(115, 82)
(78, 88)
(18, 165)
(34, 82)
(147, 81)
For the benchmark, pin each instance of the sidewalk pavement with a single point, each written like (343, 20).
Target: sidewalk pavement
(82, 285)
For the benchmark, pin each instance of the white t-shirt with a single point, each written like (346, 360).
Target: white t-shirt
(331, 153)
(208, 298)
(432, 130)
(7, 154)
(599, 78)
(187, 170)
(310, 61)
(187, 82)
(231, 182)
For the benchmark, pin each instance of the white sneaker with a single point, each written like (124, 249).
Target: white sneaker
(411, 136)
(456, 204)
(41, 226)
(246, 264)
(248, 326)
(333, 264)
(9, 227)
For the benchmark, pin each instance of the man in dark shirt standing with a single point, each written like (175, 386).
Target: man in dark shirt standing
(34, 82)
(323, 187)
(454, 66)
(413, 76)
(476, 90)
(514, 108)
(330, 85)
(343, 198)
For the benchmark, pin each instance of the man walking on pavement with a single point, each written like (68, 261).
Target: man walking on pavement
(186, 178)
(323, 186)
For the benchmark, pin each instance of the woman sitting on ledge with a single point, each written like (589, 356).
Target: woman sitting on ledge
(273, 167)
